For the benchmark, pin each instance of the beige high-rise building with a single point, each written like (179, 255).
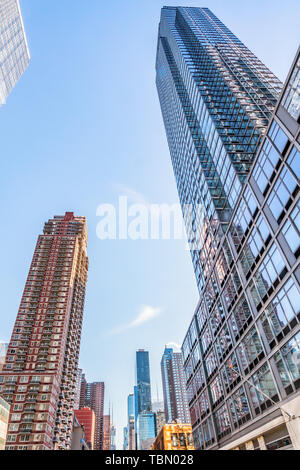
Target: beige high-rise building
(39, 376)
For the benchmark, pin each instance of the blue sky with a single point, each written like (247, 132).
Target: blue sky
(84, 126)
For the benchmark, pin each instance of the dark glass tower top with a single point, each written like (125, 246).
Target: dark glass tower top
(216, 98)
(143, 381)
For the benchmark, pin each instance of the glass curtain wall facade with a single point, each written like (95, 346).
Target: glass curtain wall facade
(14, 52)
(146, 428)
(216, 99)
(143, 381)
(244, 337)
(240, 160)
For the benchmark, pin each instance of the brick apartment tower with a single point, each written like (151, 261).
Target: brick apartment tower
(92, 395)
(39, 375)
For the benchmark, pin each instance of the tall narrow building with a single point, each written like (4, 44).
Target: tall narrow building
(174, 389)
(106, 432)
(92, 396)
(39, 375)
(234, 144)
(143, 380)
(15, 55)
(130, 422)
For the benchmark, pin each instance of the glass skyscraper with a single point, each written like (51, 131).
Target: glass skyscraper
(143, 381)
(234, 143)
(146, 428)
(14, 52)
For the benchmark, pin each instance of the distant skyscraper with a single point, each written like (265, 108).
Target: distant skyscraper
(106, 432)
(39, 375)
(174, 387)
(3, 351)
(146, 427)
(239, 161)
(143, 381)
(130, 406)
(136, 412)
(15, 56)
(130, 422)
(125, 438)
(113, 437)
(92, 395)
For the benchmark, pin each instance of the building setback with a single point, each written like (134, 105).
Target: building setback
(15, 56)
(174, 387)
(239, 161)
(92, 396)
(39, 376)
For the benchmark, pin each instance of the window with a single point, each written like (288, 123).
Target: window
(206, 339)
(203, 403)
(216, 389)
(250, 350)
(211, 363)
(263, 381)
(288, 363)
(291, 98)
(265, 165)
(230, 372)
(222, 422)
(277, 135)
(240, 317)
(290, 230)
(281, 194)
(282, 311)
(208, 434)
(217, 317)
(223, 342)
(239, 407)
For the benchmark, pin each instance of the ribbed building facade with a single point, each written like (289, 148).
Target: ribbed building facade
(235, 152)
(15, 57)
(38, 379)
(173, 380)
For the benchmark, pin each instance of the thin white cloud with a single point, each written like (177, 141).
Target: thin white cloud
(133, 195)
(146, 314)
